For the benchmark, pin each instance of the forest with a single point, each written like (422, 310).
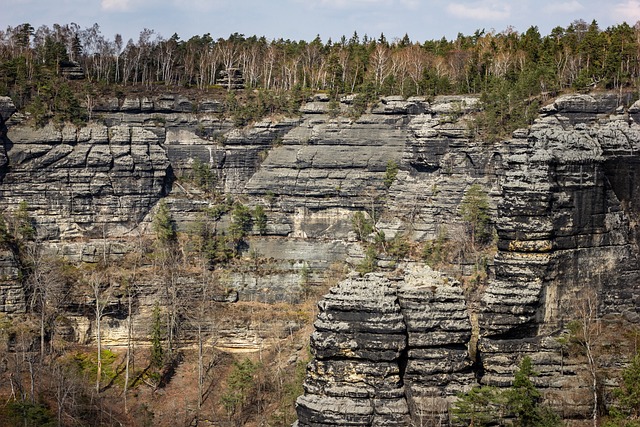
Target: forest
(513, 71)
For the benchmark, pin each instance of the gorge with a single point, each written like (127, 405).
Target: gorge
(390, 347)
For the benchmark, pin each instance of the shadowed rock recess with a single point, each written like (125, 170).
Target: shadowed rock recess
(390, 348)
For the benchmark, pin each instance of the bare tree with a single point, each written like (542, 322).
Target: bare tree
(587, 333)
(380, 64)
(131, 292)
(102, 289)
(48, 289)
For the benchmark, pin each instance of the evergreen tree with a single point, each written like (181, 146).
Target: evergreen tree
(625, 412)
(163, 224)
(474, 210)
(484, 405)
(524, 400)
(260, 219)
(390, 174)
(523, 397)
(477, 407)
(241, 220)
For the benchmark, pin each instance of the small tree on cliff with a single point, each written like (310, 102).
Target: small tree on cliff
(390, 173)
(524, 401)
(486, 405)
(241, 224)
(626, 410)
(474, 210)
(523, 397)
(260, 219)
(168, 258)
(163, 225)
(477, 407)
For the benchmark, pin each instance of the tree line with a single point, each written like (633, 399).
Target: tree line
(580, 56)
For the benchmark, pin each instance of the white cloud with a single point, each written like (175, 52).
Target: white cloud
(628, 11)
(564, 7)
(197, 5)
(411, 4)
(115, 5)
(344, 4)
(481, 10)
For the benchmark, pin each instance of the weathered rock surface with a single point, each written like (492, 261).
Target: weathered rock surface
(394, 351)
(566, 215)
(358, 344)
(86, 182)
(438, 332)
(563, 193)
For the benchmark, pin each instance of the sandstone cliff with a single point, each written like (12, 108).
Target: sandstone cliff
(387, 349)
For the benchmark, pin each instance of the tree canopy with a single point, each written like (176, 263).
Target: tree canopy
(512, 70)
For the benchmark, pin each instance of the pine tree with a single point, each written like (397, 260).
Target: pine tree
(260, 219)
(524, 400)
(474, 210)
(163, 225)
(626, 410)
(477, 407)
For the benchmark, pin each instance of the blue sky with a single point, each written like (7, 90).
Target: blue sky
(304, 19)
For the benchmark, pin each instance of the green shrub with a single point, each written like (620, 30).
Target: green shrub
(435, 251)
(399, 247)
(27, 414)
(483, 406)
(241, 222)
(361, 225)
(163, 224)
(87, 363)
(239, 384)
(390, 173)
(260, 219)
(370, 262)
(477, 407)
(625, 411)
(203, 176)
(474, 210)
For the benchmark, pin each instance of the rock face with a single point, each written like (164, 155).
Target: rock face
(387, 352)
(563, 195)
(358, 343)
(438, 364)
(566, 216)
(86, 182)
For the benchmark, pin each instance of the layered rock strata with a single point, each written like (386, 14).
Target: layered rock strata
(387, 352)
(359, 339)
(566, 226)
(563, 195)
(438, 329)
(99, 179)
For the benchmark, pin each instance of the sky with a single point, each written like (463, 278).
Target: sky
(421, 20)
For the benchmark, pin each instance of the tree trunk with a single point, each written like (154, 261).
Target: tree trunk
(42, 322)
(200, 367)
(99, 340)
(128, 357)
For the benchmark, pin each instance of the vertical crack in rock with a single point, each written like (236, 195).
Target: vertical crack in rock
(391, 352)
(567, 225)
(564, 233)
(358, 344)
(439, 330)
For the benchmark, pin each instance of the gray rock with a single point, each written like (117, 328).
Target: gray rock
(563, 199)
(355, 366)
